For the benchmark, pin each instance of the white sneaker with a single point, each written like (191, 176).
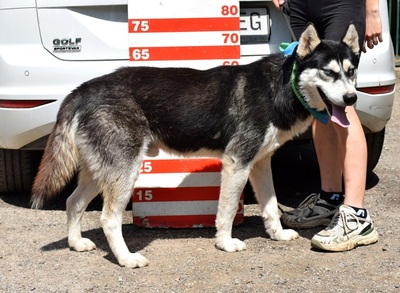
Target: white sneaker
(346, 231)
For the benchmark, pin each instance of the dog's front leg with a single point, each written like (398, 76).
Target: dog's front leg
(263, 186)
(234, 178)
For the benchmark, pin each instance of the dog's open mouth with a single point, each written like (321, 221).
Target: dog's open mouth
(337, 113)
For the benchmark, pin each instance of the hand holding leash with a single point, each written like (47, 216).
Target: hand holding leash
(278, 3)
(283, 5)
(373, 25)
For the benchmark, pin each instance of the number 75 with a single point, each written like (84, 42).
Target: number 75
(140, 25)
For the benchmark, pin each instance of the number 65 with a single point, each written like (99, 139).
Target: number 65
(140, 54)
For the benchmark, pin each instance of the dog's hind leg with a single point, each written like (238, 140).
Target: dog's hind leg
(234, 178)
(263, 186)
(77, 203)
(116, 196)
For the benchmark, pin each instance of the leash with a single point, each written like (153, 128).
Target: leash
(285, 8)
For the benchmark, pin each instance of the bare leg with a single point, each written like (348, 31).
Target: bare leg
(327, 151)
(353, 154)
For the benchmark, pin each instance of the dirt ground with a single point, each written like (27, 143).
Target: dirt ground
(34, 255)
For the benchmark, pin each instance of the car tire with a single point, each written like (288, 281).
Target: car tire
(17, 170)
(374, 146)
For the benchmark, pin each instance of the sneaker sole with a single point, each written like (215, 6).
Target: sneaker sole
(359, 240)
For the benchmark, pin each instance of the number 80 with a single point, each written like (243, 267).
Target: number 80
(229, 10)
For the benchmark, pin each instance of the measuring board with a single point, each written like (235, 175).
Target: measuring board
(184, 33)
(171, 191)
(178, 192)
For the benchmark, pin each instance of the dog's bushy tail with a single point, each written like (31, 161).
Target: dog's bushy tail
(59, 162)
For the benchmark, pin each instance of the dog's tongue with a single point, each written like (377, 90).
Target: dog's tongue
(339, 116)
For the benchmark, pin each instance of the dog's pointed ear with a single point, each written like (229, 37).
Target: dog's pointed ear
(309, 40)
(350, 38)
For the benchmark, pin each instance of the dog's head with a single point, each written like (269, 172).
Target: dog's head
(326, 72)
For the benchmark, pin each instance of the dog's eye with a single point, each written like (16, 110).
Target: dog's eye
(329, 72)
(351, 72)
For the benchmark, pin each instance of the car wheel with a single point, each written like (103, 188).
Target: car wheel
(17, 170)
(374, 146)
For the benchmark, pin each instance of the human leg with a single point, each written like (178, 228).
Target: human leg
(319, 208)
(330, 142)
(352, 225)
(327, 152)
(332, 19)
(338, 149)
(353, 153)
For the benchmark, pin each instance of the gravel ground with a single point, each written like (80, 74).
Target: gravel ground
(34, 255)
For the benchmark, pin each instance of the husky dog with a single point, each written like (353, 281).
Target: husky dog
(240, 114)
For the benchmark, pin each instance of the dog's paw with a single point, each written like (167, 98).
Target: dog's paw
(285, 235)
(230, 245)
(133, 260)
(82, 244)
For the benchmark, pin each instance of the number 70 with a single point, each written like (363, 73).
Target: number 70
(233, 38)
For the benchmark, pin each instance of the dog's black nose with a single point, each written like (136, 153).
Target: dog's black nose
(350, 98)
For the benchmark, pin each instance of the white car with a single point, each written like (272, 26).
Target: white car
(49, 47)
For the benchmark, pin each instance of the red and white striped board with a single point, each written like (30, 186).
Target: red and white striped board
(178, 192)
(171, 191)
(181, 33)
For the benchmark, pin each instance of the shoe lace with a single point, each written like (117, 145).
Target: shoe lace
(351, 222)
(343, 219)
(309, 202)
(337, 220)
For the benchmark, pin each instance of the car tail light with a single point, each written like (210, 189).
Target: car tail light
(377, 90)
(24, 104)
